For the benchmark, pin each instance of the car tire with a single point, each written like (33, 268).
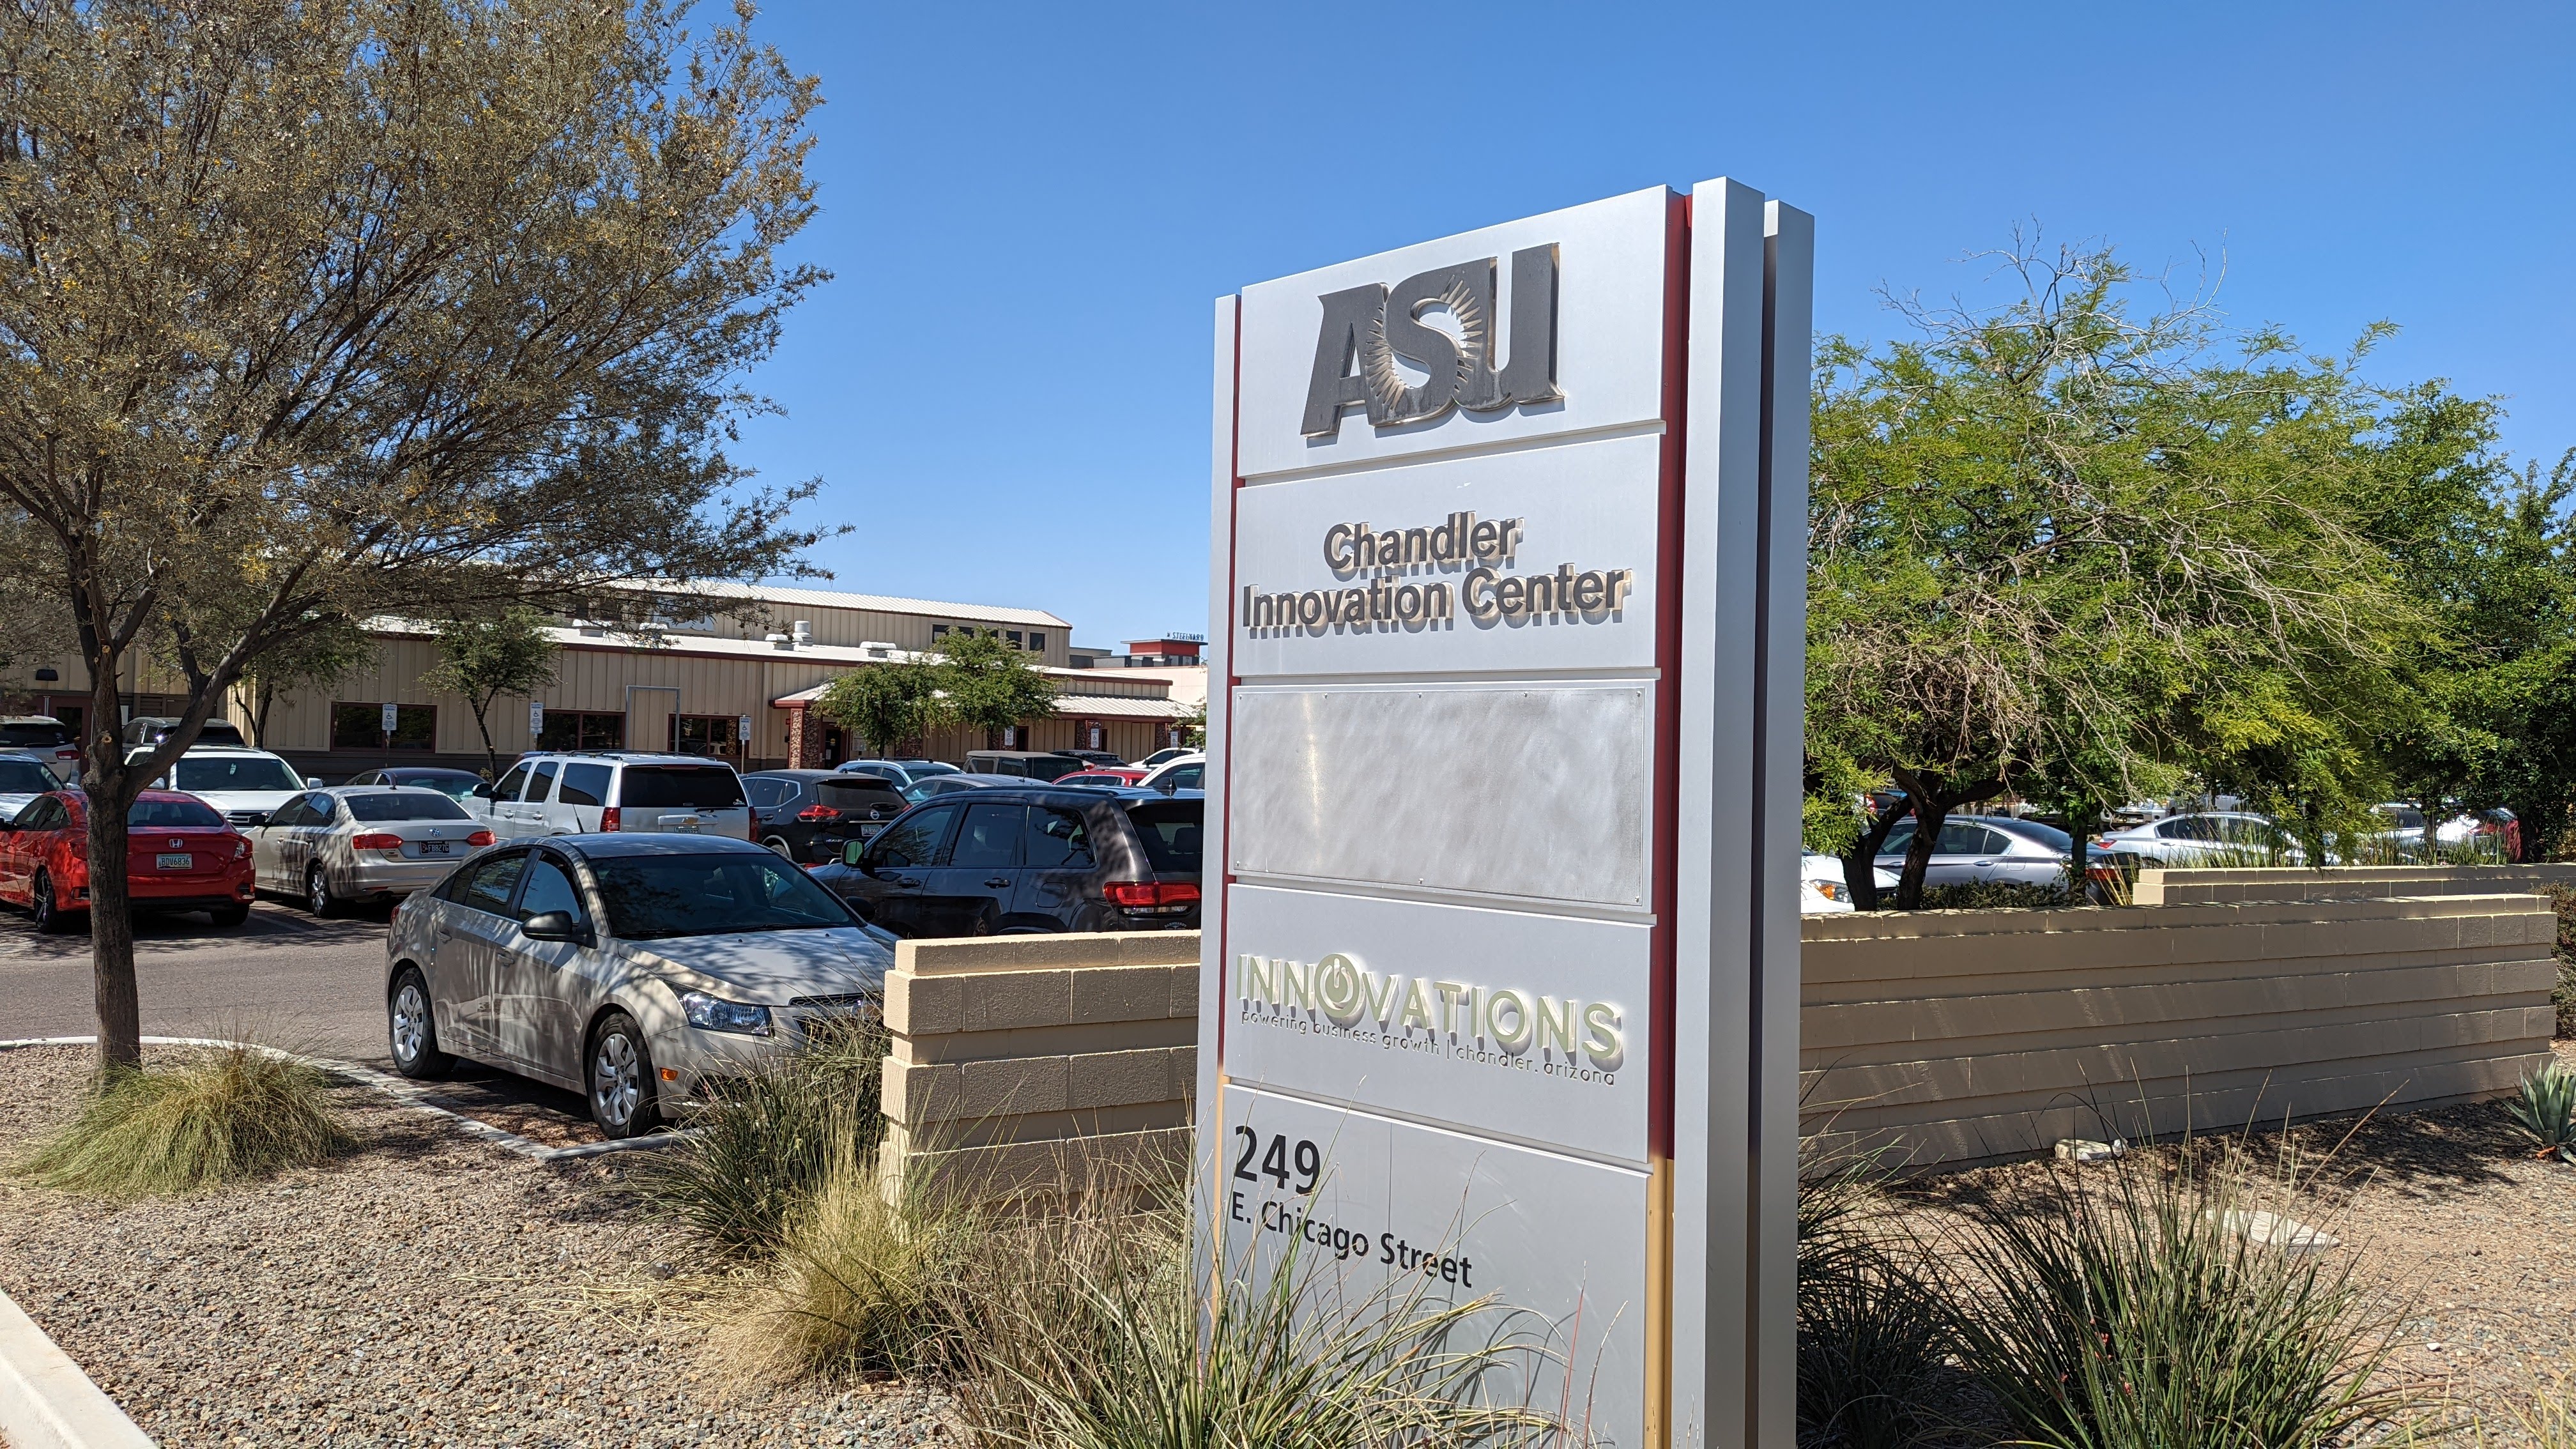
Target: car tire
(779, 843)
(51, 918)
(227, 917)
(618, 1077)
(411, 1025)
(317, 894)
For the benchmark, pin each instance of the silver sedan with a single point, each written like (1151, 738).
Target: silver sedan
(350, 843)
(634, 969)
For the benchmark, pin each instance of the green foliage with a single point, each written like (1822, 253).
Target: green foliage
(223, 1116)
(2131, 1308)
(1874, 1334)
(887, 705)
(2545, 1110)
(768, 1142)
(330, 648)
(481, 659)
(987, 684)
(1996, 895)
(859, 1283)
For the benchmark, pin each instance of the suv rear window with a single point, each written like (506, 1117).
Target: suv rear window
(172, 815)
(703, 787)
(34, 736)
(1170, 831)
(371, 809)
(860, 794)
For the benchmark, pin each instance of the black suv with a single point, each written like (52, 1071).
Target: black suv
(809, 815)
(1023, 859)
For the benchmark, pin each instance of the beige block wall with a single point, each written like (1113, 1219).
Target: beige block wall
(1960, 1036)
(2163, 887)
(1041, 1063)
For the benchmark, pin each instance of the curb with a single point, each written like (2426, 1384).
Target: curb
(410, 1094)
(46, 1402)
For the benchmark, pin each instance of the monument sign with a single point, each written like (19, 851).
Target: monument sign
(1500, 984)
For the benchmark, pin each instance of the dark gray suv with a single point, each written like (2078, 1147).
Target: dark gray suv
(1015, 859)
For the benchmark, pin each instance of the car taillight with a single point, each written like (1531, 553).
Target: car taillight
(608, 817)
(479, 839)
(241, 847)
(376, 840)
(817, 814)
(1152, 895)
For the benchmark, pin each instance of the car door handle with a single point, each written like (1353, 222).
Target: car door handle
(907, 882)
(999, 881)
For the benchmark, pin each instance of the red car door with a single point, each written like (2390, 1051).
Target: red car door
(29, 846)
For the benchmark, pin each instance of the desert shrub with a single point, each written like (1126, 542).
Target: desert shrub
(1995, 895)
(859, 1282)
(2545, 1110)
(2129, 1308)
(223, 1115)
(1873, 1332)
(766, 1143)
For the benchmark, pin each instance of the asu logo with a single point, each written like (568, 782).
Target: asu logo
(1367, 328)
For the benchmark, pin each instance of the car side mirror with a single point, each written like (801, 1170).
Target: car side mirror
(482, 792)
(551, 926)
(851, 852)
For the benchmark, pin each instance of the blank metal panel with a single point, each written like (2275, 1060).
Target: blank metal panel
(1531, 791)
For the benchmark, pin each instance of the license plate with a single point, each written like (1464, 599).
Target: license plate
(174, 862)
(868, 828)
(433, 847)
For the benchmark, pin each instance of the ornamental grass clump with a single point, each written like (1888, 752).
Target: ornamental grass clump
(858, 1283)
(1874, 1334)
(2141, 1306)
(220, 1116)
(765, 1144)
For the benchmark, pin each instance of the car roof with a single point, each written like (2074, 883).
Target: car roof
(376, 790)
(428, 770)
(611, 846)
(791, 774)
(622, 757)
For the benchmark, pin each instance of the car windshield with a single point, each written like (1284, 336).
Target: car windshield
(24, 777)
(2048, 835)
(454, 784)
(173, 815)
(370, 809)
(655, 787)
(236, 772)
(1170, 830)
(654, 897)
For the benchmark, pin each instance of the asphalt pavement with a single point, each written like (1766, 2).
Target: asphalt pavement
(283, 977)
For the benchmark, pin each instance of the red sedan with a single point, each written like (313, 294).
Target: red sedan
(180, 856)
(1114, 776)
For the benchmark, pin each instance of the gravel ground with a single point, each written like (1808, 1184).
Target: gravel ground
(2448, 1210)
(427, 1291)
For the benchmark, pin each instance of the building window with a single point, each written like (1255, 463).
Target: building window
(1014, 636)
(1037, 640)
(712, 735)
(362, 727)
(573, 729)
(938, 631)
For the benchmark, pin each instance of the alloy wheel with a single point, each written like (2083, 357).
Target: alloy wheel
(616, 1078)
(411, 1023)
(317, 892)
(46, 911)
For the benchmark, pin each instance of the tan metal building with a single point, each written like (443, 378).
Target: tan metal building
(697, 679)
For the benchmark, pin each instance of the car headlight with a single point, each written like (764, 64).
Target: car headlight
(1831, 890)
(709, 1013)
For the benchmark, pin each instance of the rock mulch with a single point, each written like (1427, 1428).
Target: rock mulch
(428, 1291)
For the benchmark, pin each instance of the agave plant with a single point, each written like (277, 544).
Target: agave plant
(2546, 1111)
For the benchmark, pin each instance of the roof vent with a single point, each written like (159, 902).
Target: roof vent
(591, 628)
(779, 641)
(804, 633)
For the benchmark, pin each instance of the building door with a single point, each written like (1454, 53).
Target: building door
(652, 715)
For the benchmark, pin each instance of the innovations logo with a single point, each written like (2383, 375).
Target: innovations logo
(1558, 1036)
(1367, 328)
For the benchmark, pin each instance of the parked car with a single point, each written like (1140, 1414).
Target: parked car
(180, 856)
(1824, 889)
(1995, 848)
(920, 768)
(932, 786)
(634, 969)
(24, 775)
(247, 785)
(2210, 838)
(1028, 859)
(362, 843)
(889, 769)
(456, 785)
(152, 729)
(1166, 756)
(2498, 830)
(44, 736)
(1025, 764)
(582, 794)
(1181, 772)
(1120, 778)
(1100, 759)
(808, 815)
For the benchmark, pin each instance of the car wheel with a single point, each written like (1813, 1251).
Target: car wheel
(621, 1079)
(779, 843)
(412, 1028)
(317, 893)
(51, 918)
(227, 917)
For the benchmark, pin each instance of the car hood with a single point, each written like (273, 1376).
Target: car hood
(769, 968)
(245, 799)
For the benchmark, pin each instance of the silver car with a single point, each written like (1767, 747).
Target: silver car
(635, 969)
(1973, 848)
(336, 847)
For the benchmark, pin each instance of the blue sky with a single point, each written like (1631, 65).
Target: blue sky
(1029, 208)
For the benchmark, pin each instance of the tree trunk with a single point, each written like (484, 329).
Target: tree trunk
(1860, 868)
(2081, 818)
(491, 755)
(111, 936)
(1929, 813)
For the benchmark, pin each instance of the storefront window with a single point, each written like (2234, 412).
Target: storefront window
(713, 735)
(573, 729)
(362, 727)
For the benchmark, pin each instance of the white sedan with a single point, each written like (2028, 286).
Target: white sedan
(1823, 890)
(352, 843)
(2212, 838)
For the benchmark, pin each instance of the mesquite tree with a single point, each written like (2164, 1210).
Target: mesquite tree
(415, 307)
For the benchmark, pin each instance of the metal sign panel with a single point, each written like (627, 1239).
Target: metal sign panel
(1475, 602)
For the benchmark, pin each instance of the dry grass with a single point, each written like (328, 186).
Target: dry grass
(220, 1115)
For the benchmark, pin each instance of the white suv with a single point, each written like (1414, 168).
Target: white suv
(579, 794)
(247, 785)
